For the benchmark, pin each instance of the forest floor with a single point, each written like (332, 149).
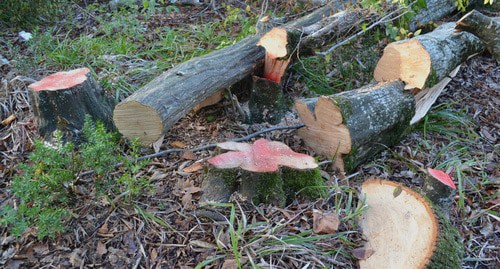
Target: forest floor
(167, 227)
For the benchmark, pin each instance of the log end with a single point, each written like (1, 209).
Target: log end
(399, 225)
(61, 80)
(135, 120)
(407, 61)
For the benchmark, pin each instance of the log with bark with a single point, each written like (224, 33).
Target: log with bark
(62, 101)
(153, 109)
(484, 27)
(350, 127)
(425, 60)
(404, 230)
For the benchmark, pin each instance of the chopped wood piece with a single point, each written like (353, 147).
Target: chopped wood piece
(62, 100)
(484, 27)
(402, 230)
(425, 60)
(352, 126)
(405, 230)
(274, 42)
(156, 107)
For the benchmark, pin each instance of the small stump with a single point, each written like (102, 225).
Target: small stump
(254, 171)
(61, 102)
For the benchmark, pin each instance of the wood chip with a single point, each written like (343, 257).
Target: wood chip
(9, 120)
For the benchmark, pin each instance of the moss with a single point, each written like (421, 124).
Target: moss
(269, 189)
(432, 79)
(308, 183)
(267, 102)
(449, 250)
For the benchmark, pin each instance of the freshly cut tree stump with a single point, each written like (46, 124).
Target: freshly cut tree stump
(61, 102)
(425, 60)
(484, 27)
(350, 127)
(404, 231)
(156, 107)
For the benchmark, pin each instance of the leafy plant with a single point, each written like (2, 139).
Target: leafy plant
(26, 13)
(43, 187)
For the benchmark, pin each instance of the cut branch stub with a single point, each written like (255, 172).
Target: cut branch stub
(399, 225)
(425, 60)
(62, 100)
(262, 156)
(352, 126)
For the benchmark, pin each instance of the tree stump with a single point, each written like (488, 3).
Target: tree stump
(425, 60)
(350, 127)
(405, 231)
(61, 102)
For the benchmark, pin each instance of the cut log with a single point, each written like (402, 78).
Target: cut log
(405, 231)
(433, 12)
(484, 27)
(61, 102)
(153, 109)
(425, 60)
(350, 127)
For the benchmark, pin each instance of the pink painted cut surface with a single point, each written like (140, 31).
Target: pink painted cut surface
(442, 177)
(262, 156)
(61, 80)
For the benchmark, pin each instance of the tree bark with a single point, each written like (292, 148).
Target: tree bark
(434, 11)
(61, 102)
(425, 60)
(350, 127)
(405, 231)
(484, 27)
(153, 109)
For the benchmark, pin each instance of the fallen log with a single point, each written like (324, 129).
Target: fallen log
(350, 127)
(62, 101)
(425, 60)
(403, 230)
(484, 27)
(153, 109)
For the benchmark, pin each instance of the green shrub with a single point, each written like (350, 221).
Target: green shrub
(22, 13)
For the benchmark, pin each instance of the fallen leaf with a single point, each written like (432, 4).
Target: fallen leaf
(442, 177)
(9, 120)
(101, 248)
(189, 155)
(230, 264)
(156, 145)
(325, 222)
(362, 253)
(178, 144)
(397, 191)
(202, 244)
(193, 168)
(103, 229)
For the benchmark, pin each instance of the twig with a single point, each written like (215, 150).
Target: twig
(168, 151)
(382, 20)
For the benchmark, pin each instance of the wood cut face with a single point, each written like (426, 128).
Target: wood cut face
(61, 80)
(324, 129)
(399, 226)
(407, 61)
(136, 120)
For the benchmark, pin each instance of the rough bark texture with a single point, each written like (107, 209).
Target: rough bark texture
(434, 11)
(154, 108)
(405, 231)
(267, 103)
(425, 60)
(353, 126)
(484, 27)
(64, 109)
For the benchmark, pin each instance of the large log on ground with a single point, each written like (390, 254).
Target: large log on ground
(403, 230)
(352, 126)
(425, 60)
(432, 12)
(484, 27)
(153, 109)
(62, 101)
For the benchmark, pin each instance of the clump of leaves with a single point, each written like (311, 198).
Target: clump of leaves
(43, 187)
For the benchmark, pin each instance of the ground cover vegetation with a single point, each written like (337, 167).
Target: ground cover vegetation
(75, 206)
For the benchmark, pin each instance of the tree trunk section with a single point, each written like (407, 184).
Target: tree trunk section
(350, 127)
(153, 109)
(62, 101)
(405, 231)
(267, 103)
(425, 60)
(433, 12)
(484, 27)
